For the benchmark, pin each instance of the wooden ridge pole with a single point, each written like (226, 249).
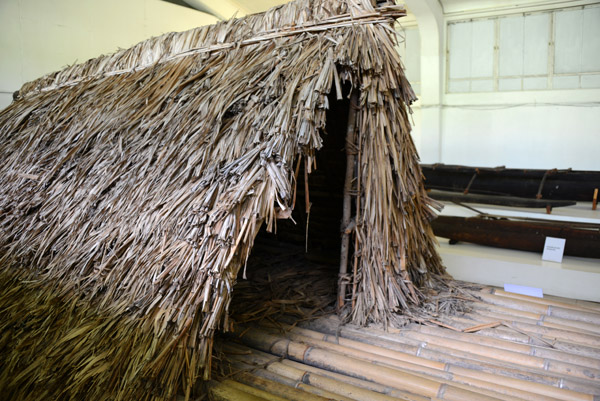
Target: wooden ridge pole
(347, 205)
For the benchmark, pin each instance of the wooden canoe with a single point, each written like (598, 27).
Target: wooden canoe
(582, 240)
(502, 200)
(534, 184)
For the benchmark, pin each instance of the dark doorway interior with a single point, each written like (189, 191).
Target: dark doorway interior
(315, 245)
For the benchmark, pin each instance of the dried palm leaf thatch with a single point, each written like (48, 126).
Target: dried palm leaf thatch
(133, 185)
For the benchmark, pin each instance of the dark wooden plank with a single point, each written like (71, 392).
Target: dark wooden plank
(521, 235)
(502, 200)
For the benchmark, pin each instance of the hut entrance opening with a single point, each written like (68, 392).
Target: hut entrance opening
(308, 245)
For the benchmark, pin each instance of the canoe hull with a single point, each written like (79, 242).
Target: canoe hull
(557, 184)
(520, 235)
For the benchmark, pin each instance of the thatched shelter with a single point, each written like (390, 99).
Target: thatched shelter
(133, 186)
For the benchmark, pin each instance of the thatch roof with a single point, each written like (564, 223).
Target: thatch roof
(133, 185)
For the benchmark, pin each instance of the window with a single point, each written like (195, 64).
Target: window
(471, 65)
(549, 50)
(577, 48)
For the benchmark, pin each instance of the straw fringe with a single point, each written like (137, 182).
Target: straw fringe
(130, 200)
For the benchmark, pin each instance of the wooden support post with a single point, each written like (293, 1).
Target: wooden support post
(347, 205)
(595, 199)
(539, 192)
(466, 191)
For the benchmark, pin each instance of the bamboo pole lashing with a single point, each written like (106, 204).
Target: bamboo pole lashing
(358, 220)
(307, 203)
(350, 147)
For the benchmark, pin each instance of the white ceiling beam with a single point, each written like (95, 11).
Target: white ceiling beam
(222, 9)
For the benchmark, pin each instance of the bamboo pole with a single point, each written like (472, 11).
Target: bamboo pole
(355, 367)
(451, 356)
(547, 300)
(242, 352)
(493, 356)
(483, 383)
(347, 205)
(550, 302)
(284, 388)
(494, 381)
(542, 352)
(569, 313)
(372, 386)
(535, 330)
(263, 389)
(545, 321)
(536, 318)
(526, 306)
(577, 315)
(513, 334)
(335, 386)
(579, 303)
(530, 361)
(358, 221)
(332, 389)
(229, 390)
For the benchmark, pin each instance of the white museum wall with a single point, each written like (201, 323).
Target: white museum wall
(39, 37)
(524, 90)
(527, 136)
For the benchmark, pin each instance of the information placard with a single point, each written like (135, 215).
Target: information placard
(554, 248)
(524, 290)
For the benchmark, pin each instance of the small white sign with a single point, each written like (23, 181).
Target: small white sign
(554, 248)
(524, 290)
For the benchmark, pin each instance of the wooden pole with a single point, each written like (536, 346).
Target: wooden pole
(595, 199)
(347, 205)
(357, 221)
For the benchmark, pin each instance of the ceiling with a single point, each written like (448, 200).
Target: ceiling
(256, 6)
(225, 9)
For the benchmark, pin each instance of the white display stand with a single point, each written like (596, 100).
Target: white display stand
(575, 277)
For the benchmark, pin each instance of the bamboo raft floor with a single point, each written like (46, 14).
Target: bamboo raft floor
(287, 343)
